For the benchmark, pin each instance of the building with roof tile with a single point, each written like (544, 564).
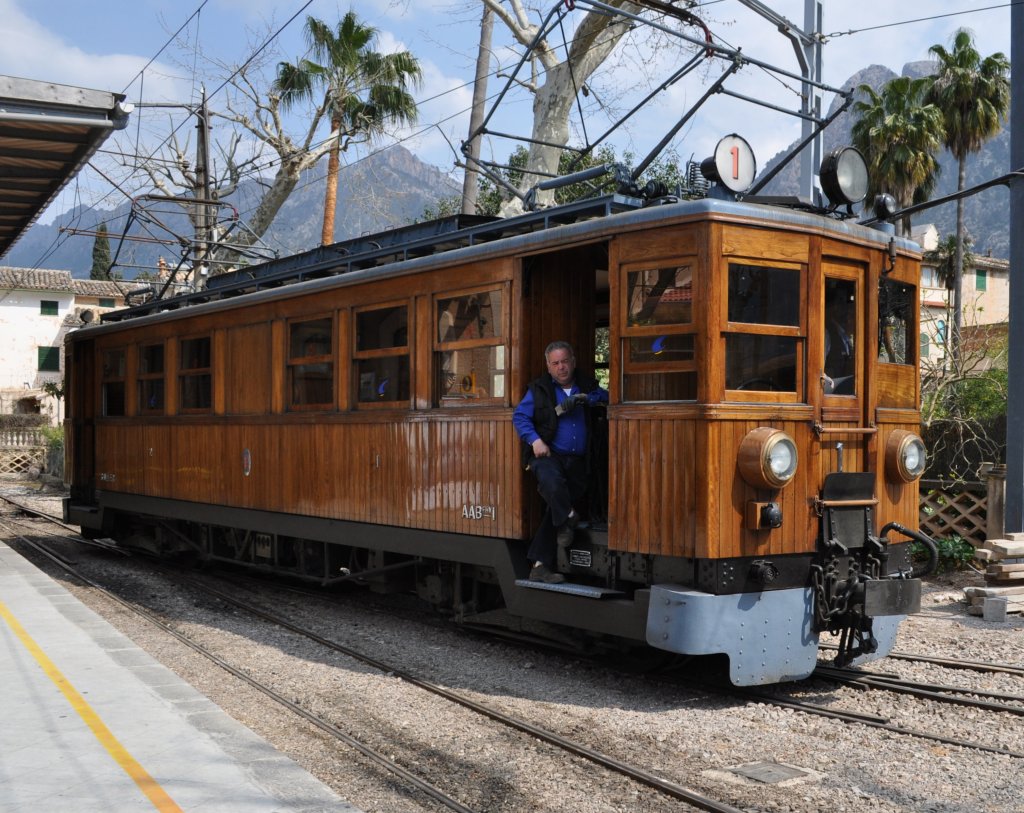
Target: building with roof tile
(38, 307)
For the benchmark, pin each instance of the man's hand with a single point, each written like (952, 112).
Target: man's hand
(540, 448)
(569, 404)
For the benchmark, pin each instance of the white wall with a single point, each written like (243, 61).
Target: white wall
(23, 330)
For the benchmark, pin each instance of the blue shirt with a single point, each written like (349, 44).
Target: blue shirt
(571, 432)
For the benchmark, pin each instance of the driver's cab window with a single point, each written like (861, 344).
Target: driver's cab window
(897, 306)
(764, 336)
(840, 326)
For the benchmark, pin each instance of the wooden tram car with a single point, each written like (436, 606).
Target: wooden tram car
(346, 413)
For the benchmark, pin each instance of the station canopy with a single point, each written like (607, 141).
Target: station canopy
(47, 134)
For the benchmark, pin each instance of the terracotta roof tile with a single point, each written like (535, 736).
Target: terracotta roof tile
(35, 279)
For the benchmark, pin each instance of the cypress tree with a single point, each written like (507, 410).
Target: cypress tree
(100, 254)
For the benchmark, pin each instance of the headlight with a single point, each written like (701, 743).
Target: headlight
(767, 458)
(905, 457)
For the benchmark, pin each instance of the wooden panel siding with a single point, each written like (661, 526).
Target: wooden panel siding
(652, 493)
(417, 473)
(762, 244)
(248, 371)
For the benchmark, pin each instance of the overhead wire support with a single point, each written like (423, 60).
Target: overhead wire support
(810, 113)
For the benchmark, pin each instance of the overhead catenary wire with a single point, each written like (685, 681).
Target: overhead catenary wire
(256, 168)
(919, 20)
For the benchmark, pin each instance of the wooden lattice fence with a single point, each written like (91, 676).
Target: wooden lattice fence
(22, 451)
(949, 509)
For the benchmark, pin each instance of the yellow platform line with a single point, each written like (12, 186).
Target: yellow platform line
(149, 786)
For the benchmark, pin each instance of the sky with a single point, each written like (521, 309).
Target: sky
(129, 47)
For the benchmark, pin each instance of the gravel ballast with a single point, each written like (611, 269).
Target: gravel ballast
(698, 739)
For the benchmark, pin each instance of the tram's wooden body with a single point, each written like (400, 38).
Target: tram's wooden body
(371, 410)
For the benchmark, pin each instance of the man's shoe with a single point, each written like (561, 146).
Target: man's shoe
(540, 573)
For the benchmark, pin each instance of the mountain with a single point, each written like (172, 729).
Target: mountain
(386, 189)
(986, 214)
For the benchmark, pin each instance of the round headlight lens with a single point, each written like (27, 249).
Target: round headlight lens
(914, 457)
(905, 457)
(767, 458)
(782, 459)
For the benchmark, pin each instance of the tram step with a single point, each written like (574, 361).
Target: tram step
(582, 590)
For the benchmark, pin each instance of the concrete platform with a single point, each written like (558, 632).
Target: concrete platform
(91, 723)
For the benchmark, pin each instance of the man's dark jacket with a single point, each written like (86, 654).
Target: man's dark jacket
(545, 421)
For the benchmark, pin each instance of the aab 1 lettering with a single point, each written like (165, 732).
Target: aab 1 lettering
(479, 512)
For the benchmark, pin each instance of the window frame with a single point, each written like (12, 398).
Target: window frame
(194, 372)
(381, 352)
(856, 274)
(106, 380)
(912, 343)
(628, 366)
(438, 347)
(49, 307)
(329, 358)
(44, 351)
(146, 377)
(798, 332)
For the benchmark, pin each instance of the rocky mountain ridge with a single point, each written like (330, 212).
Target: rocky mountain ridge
(986, 214)
(389, 188)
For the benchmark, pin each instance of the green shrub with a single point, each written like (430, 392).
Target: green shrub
(954, 553)
(54, 436)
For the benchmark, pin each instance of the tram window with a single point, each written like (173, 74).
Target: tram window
(897, 302)
(311, 363)
(764, 296)
(658, 344)
(474, 316)
(382, 328)
(661, 348)
(195, 382)
(469, 354)
(114, 371)
(660, 296)
(382, 356)
(840, 336)
(383, 380)
(760, 363)
(151, 378)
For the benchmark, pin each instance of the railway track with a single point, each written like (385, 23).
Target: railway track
(638, 774)
(859, 680)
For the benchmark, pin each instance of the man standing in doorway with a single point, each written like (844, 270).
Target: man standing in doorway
(553, 422)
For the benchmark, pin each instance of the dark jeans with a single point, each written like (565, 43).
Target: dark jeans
(561, 481)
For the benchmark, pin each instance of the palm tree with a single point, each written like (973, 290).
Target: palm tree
(363, 90)
(899, 134)
(974, 97)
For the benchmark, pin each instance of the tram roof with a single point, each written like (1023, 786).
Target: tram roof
(462, 239)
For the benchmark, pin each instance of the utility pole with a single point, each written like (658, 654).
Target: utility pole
(807, 44)
(483, 64)
(200, 266)
(1014, 511)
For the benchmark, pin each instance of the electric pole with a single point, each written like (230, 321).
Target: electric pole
(200, 265)
(483, 64)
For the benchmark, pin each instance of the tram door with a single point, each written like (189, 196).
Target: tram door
(843, 429)
(565, 297)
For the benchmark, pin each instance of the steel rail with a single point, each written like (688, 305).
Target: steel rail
(324, 725)
(660, 784)
(852, 717)
(951, 663)
(640, 775)
(923, 690)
